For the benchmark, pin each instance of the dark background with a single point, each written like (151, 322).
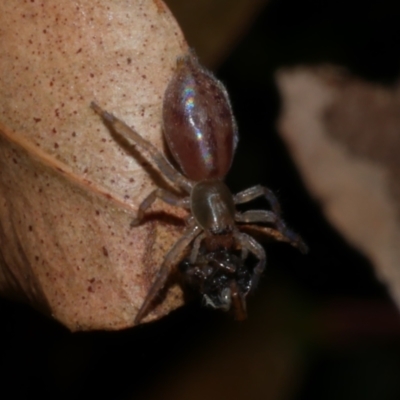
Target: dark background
(324, 315)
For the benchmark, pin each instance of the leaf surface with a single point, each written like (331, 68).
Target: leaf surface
(68, 189)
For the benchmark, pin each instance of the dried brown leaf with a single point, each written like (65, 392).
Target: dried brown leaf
(68, 189)
(343, 134)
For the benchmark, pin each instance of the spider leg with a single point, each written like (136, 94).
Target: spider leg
(170, 261)
(269, 217)
(196, 247)
(238, 302)
(142, 144)
(244, 253)
(256, 216)
(294, 239)
(165, 196)
(257, 250)
(258, 191)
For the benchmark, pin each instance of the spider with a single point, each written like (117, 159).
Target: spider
(201, 133)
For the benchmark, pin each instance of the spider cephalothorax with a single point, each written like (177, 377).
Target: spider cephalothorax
(201, 133)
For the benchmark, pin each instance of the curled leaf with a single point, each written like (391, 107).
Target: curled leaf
(343, 134)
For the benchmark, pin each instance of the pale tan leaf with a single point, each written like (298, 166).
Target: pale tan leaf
(68, 189)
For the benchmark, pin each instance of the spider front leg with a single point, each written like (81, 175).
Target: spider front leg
(165, 196)
(257, 250)
(145, 146)
(170, 261)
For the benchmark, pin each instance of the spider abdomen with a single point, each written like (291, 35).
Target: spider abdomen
(198, 123)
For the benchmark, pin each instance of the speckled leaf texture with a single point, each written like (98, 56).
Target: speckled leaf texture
(68, 188)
